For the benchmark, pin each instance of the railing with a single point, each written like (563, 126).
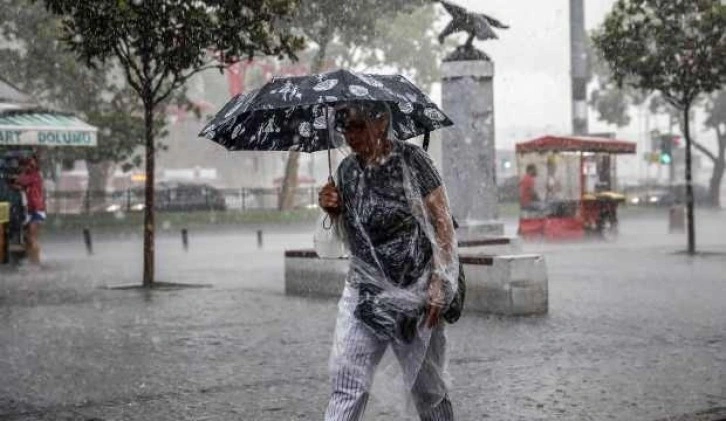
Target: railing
(132, 200)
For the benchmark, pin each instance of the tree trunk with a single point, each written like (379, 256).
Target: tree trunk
(719, 167)
(286, 201)
(149, 194)
(689, 184)
(98, 173)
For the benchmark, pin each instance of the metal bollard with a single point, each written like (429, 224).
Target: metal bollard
(185, 239)
(676, 219)
(88, 241)
(259, 239)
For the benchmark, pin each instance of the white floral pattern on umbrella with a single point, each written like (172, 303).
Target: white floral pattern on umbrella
(358, 90)
(325, 85)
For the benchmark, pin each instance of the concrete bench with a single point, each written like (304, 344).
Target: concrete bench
(308, 275)
(494, 246)
(512, 285)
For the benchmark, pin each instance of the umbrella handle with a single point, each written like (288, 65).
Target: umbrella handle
(330, 162)
(330, 144)
(329, 225)
(327, 217)
(427, 138)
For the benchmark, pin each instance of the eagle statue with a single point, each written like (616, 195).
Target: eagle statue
(477, 25)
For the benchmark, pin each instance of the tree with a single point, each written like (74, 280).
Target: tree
(160, 44)
(38, 64)
(611, 102)
(676, 47)
(349, 22)
(716, 120)
(613, 106)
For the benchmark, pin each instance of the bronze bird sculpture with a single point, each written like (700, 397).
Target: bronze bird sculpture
(477, 25)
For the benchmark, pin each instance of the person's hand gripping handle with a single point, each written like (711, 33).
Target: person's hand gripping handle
(329, 198)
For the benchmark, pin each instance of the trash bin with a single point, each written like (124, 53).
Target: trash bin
(677, 219)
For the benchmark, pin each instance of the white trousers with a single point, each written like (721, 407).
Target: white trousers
(356, 355)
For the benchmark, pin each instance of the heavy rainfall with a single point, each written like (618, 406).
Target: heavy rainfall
(363, 209)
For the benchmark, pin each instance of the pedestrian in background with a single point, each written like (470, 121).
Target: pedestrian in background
(528, 197)
(30, 182)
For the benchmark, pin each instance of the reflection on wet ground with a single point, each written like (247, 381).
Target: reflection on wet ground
(635, 332)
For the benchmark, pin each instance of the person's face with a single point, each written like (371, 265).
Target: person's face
(33, 164)
(29, 164)
(361, 134)
(533, 171)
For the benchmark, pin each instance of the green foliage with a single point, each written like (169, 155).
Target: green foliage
(405, 41)
(677, 47)
(162, 43)
(131, 221)
(353, 21)
(348, 22)
(612, 102)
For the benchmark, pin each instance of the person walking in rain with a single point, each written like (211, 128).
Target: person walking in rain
(390, 207)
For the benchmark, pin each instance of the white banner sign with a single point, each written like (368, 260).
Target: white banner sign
(47, 138)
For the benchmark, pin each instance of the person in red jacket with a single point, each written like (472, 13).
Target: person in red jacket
(528, 197)
(31, 183)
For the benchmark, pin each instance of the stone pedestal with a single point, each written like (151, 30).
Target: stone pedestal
(468, 151)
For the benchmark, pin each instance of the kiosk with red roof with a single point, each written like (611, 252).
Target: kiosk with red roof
(567, 186)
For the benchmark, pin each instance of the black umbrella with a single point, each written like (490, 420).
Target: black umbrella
(295, 113)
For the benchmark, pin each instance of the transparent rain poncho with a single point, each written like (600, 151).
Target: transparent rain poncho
(397, 226)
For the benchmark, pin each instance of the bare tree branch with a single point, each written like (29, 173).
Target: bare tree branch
(704, 150)
(161, 97)
(124, 53)
(127, 68)
(673, 100)
(155, 88)
(721, 136)
(177, 82)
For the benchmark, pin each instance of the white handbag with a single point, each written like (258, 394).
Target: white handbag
(327, 239)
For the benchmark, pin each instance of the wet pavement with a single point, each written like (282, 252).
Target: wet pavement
(635, 332)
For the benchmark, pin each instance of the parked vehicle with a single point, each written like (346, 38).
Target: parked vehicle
(169, 197)
(660, 195)
(179, 197)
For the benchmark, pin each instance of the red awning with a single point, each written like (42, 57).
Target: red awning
(575, 144)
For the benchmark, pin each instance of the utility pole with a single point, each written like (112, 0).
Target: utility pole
(672, 169)
(578, 67)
